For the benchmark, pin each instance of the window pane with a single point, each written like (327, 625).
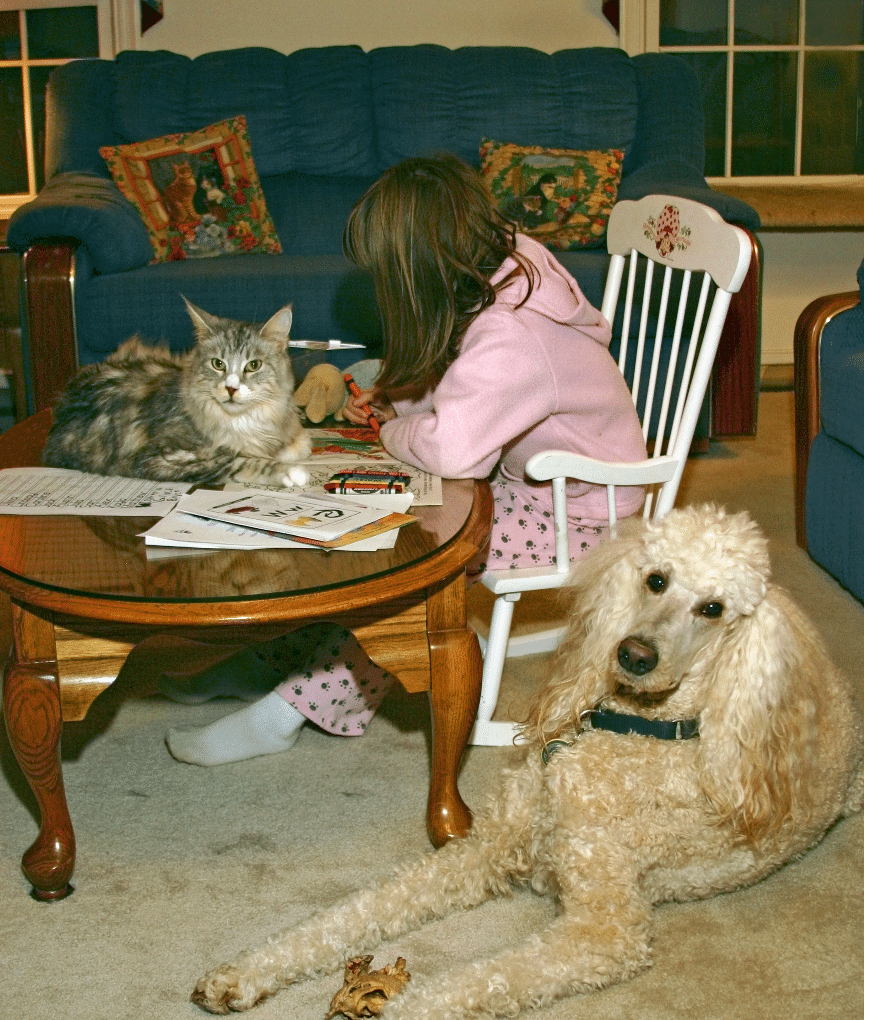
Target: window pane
(834, 22)
(62, 32)
(13, 161)
(693, 22)
(765, 111)
(10, 36)
(711, 69)
(766, 22)
(832, 124)
(38, 81)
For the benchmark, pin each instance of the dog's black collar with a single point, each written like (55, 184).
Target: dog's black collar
(605, 719)
(616, 722)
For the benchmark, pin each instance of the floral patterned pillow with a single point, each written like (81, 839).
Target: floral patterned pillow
(561, 197)
(198, 193)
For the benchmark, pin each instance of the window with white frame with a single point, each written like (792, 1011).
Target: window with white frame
(35, 37)
(782, 82)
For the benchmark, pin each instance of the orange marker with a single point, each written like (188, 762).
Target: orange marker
(374, 424)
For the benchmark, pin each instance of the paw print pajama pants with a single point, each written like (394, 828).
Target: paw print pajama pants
(333, 682)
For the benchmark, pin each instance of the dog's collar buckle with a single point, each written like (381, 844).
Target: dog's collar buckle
(551, 747)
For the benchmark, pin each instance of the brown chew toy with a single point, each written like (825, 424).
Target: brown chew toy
(364, 993)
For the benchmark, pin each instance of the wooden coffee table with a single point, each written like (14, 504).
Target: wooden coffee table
(86, 600)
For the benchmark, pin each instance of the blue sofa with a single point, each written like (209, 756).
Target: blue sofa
(829, 433)
(323, 123)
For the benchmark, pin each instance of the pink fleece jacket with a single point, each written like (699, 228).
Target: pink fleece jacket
(537, 377)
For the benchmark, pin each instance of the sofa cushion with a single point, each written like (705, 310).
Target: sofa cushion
(561, 197)
(329, 297)
(309, 111)
(310, 211)
(429, 98)
(198, 193)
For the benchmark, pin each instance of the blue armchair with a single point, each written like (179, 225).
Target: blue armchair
(829, 434)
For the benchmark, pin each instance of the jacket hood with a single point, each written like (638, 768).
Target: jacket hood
(555, 293)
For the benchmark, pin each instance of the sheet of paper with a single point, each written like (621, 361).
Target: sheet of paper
(331, 445)
(45, 490)
(289, 512)
(426, 488)
(356, 449)
(183, 530)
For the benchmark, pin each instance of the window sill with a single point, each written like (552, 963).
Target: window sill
(795, 206)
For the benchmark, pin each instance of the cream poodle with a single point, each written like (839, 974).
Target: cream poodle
(695, 736)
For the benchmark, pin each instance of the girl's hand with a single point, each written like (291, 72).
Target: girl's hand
(353, 409)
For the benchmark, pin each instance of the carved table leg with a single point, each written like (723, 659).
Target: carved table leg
(457, 667)
(31, 707)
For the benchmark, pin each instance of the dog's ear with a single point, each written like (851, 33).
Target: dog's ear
(759, 729)
(602, 588)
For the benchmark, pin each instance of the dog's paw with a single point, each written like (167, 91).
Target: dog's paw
(225, 990)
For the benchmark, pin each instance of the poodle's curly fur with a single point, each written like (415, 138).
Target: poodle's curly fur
(616, 823)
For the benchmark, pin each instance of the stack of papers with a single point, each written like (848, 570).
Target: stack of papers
(266, 519)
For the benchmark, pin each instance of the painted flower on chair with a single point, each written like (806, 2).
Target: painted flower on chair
(666, 233)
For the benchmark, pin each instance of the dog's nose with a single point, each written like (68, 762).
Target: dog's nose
(636, 656)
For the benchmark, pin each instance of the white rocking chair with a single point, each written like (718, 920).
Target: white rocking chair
(668, 380)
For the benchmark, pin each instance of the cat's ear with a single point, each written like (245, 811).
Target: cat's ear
(204, 323)
(278, 327)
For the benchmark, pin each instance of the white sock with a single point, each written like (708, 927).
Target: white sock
(267, 726)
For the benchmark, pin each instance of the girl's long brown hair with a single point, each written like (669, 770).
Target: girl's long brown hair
(430, 237)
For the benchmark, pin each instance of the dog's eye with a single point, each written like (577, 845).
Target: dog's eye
(712, 610)
(656, 583)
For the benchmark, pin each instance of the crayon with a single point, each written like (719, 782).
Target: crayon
(374, 424)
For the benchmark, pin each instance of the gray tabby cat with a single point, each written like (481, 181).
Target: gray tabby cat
(223, 411)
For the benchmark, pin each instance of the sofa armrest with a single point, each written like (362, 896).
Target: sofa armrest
(50, 352)
(737, 370)
(667, 155)
(807, 393)
(678, 178)
(92, 211)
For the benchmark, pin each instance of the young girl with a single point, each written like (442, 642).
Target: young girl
(491, 354)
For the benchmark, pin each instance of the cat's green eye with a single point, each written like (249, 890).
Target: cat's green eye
(254, 366)
(218, 365)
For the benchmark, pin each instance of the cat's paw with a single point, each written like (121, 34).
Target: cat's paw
(298, 449)
(295, 478)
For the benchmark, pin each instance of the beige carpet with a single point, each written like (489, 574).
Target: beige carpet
(180, 867)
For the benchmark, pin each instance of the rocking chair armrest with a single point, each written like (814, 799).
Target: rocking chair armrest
(92, 211)
(507, 582)
(550, 464)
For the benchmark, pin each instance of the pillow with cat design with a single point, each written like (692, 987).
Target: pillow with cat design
(198, 192)
(561, 197)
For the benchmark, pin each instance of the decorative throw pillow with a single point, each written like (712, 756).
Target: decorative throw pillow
(561, 197)
(198, 193)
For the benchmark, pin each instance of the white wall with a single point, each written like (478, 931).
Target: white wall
(798, 266)
(198, 26)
